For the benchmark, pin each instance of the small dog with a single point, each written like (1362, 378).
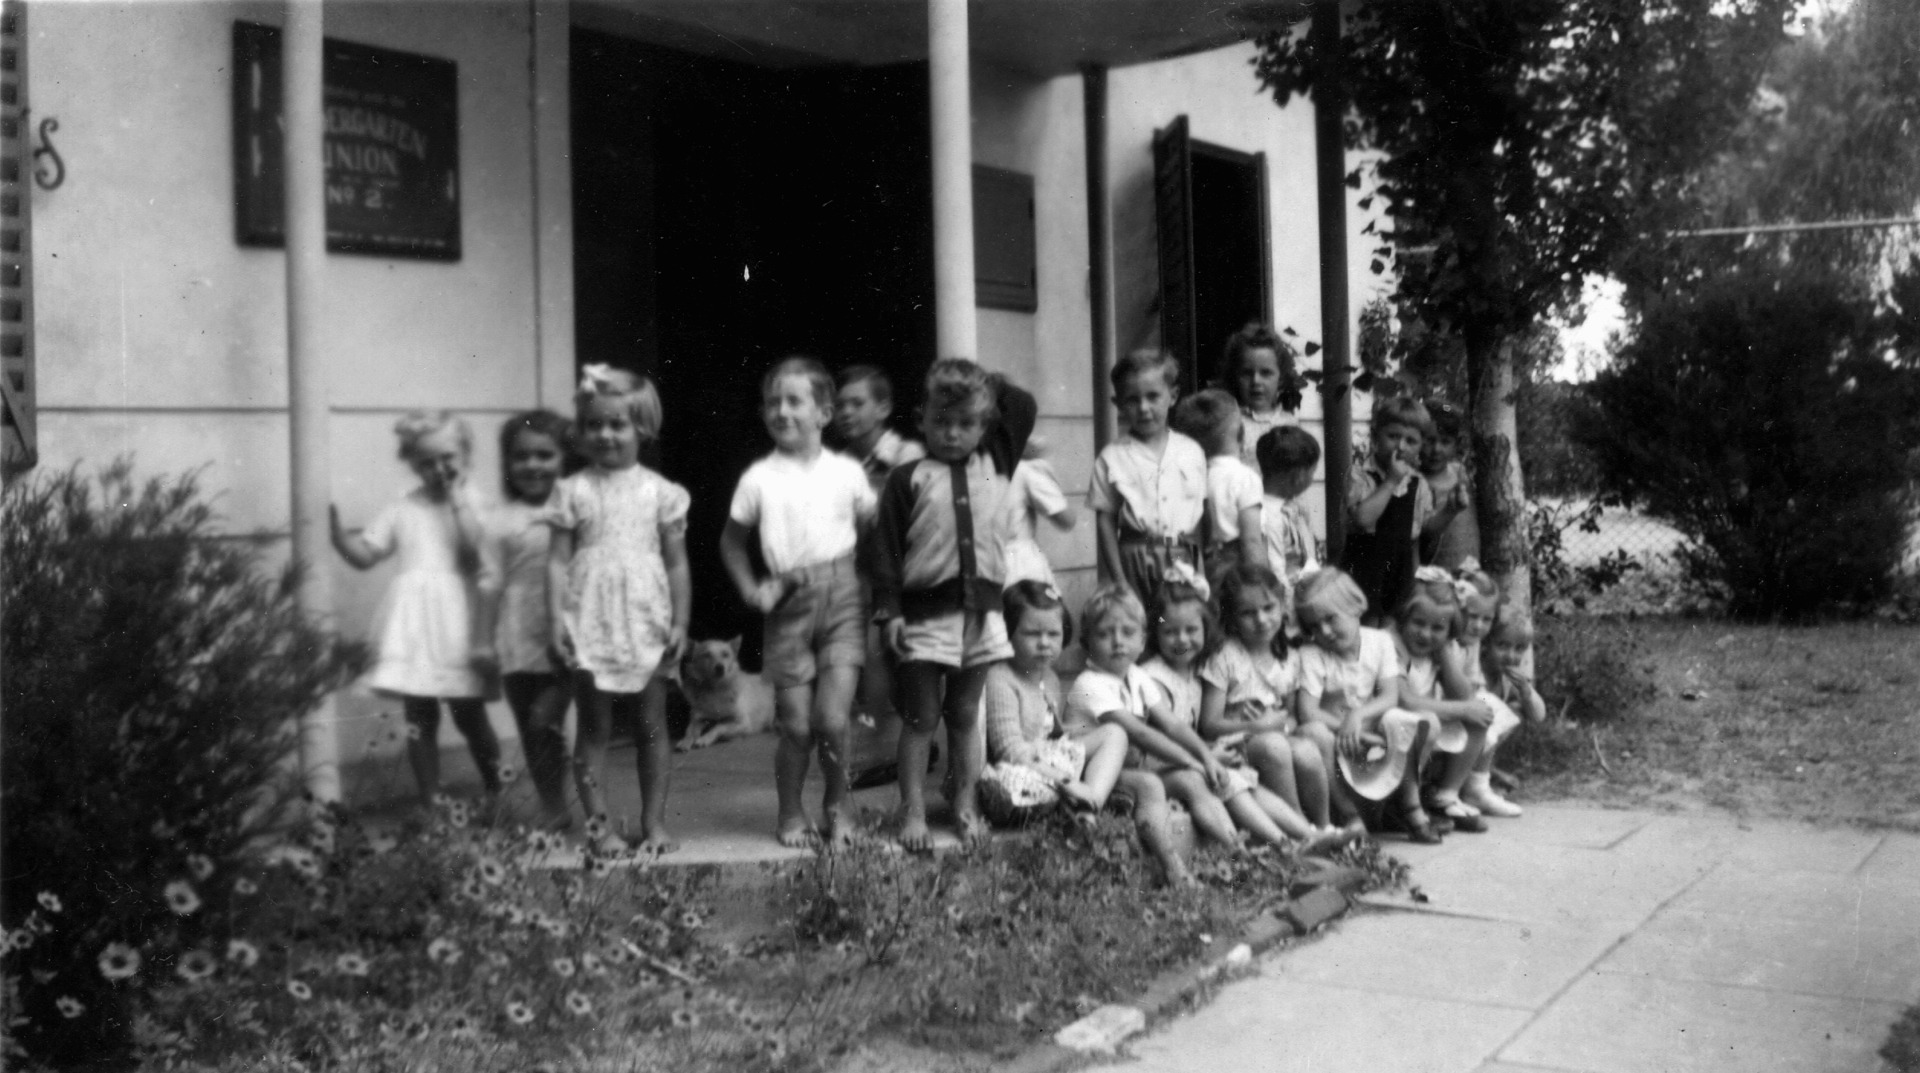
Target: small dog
(727, 702)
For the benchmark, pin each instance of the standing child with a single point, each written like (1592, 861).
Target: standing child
(1452, 536)
(861, 410)
(1035, 495)
(533, 451)
(809, 507)
(1436, 683)
(1349, 703)
(620, 593)
(1250, 683)
(1172, 736)
(434, 641)
(1259, 371)
(1149, 489)
(1287, 457)
(1505, 663)
(938, 573)
(1025, 719)
(1388, 505)
(1235, 532)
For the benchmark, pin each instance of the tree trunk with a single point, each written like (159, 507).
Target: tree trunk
(1500, 494)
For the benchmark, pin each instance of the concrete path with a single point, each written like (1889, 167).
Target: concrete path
(1579, 940)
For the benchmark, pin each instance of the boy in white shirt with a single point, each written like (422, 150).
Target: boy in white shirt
(1149, 489)
(809, 507)
(1288, 456)
(1234, 496)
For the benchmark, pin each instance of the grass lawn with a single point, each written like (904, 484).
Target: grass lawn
(1814, 723)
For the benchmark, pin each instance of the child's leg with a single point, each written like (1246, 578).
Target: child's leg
(1210, 817)
(832, 732)
(1340, 808)
(791, 755)
(1150, 818)
(919, 685)
(653, 755)
(967, 746)
(532, 699)
(470, 715)
(1408, 792)
(1457, 766)
(1310, 775)
(590, 755)
(1478, 789)
(423, 743)
(1106, 747)
(1271, 754)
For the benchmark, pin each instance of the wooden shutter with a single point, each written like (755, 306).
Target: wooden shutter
(1173, 209)
(17, 424)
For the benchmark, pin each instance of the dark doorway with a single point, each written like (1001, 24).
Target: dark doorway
(726, 215)
(1212, 229)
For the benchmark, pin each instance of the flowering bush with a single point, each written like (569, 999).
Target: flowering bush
(154, 673)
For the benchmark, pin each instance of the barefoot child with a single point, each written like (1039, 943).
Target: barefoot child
(1235, 531)
(1349, 703)
(1210, 777)
(533, 450)
(620, 592)
(939, 567)
(809, 507)
(1024, 705)
(1259, 371)
(1437, 684)
(1149, 489)
(433, 641)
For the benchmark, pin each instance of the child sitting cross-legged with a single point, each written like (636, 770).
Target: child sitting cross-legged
(1349, 703)
(1437, 683)
(1210, 777)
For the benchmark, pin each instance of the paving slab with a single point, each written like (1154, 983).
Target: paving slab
(1634, 1024)
(1756, 845)
(1502, 963)
(1513, 1067)
(1825, 899)
(1567, 825)
(1282, 1027)
(1897, 857)
(1545, 884)
(1834, 958)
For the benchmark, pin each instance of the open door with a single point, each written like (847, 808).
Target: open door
(1215, 259)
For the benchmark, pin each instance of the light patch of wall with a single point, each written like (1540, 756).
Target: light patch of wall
(159, 336)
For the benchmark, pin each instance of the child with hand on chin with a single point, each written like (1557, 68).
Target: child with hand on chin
(939, 568)
(808, 506)
(1388, 506)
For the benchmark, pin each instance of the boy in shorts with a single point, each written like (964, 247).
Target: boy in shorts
(809, 507)
(938, 571)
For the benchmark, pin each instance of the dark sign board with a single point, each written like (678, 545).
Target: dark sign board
(392, 150)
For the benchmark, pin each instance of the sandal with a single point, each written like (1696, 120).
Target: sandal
(1421, 830)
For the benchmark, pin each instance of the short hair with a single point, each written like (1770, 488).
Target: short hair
(1438, 594)
(635, 392)
(1024, 596)
(1204, 415)
(957, 385)
(1329, 589)
(543, 422)
(1512, 622)
(1402, 410)
(1286, 449)
(1256, 336)
(817, 376)
(1144, 361)
(1109, 600)
(1446, 419)
(417, 425)
(876, 379)
(1245, 578)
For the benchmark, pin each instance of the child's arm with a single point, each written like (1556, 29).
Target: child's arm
(1006, 739)
(673, 553)
(1151, 741)
(486, 606)
(1043, 491)
(466, 526)
(1253, 538)
(890, 554)
(760, 594)
(1386, 696)
(1527, 701)
(1217, 720)
(352, 546)
(559, 559)
(1183, 736)
(1366, 511)
(1109, 549)
(1457, 702)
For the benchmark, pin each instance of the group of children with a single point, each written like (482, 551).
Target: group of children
(1226, 669)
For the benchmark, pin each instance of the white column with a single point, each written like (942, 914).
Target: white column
(553, 204)
(955, 327)
(307, 396)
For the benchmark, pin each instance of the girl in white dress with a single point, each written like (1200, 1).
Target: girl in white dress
(620, 592)
(1035, 495)
(533, 451)
(431, 640)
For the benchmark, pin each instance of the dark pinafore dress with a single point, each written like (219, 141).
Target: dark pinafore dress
(1382, 562)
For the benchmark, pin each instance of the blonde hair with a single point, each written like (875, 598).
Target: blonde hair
(1484, 587)
(419, 424)
(1109, 600)
(1329, 589)
(636, 394)
(1513, 623)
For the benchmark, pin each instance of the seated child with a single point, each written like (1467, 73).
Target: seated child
(1350, 704)
(1024, 705)
(1207, 774)
(1388, 506)
(1149, 491)
(1288, 456)
(1504, 662)
(1436, 683)
(1234, 528)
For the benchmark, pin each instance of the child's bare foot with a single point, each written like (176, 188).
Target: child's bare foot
(1177, 876)
(1329, 838)
(971, 827)
(914, 836)
(796, 832)
(657, 843)
(840, 827)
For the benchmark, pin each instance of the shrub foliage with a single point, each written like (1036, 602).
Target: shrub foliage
(1755, 414)
(154, 673)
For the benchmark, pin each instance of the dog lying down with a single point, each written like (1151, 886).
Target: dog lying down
(727, 702)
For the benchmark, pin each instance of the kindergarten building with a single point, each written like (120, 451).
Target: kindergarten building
(690, 188)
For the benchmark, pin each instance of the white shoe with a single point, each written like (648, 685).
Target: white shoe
(1489, 801)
